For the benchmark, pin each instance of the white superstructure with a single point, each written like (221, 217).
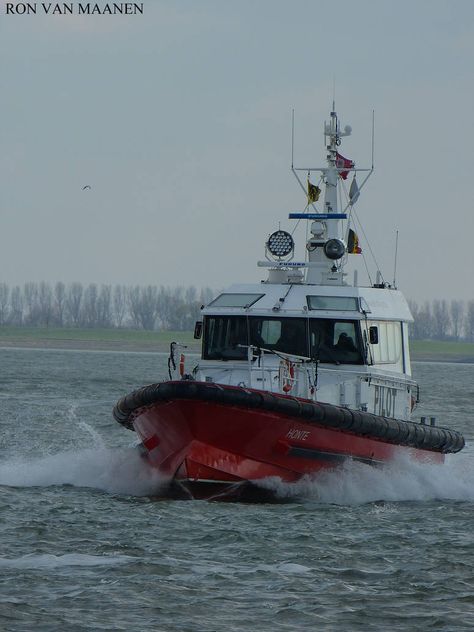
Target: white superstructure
(305, 331)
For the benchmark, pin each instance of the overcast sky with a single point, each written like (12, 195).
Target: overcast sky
(180, 121)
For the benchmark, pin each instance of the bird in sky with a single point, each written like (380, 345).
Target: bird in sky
(86, 187)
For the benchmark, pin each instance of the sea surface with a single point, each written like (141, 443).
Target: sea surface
(86, 543)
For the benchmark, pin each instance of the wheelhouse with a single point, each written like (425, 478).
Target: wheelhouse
(330, 340)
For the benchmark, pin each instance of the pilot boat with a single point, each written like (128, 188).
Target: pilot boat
(299, 373)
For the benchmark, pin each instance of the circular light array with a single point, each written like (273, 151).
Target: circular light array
(280, 243)
(334, 249)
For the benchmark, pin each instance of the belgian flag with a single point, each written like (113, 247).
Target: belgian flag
(353, 247)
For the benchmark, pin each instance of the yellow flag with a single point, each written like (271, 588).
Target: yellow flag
(313, 193)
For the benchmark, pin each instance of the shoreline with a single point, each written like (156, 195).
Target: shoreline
(454, 359)
(162, 346)
(65, 344)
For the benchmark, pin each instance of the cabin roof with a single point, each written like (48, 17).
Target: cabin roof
(292, 301)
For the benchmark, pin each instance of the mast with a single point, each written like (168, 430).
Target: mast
(326, 247)
(331, 174)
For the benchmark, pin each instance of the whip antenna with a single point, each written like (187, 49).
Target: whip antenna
(395, 261)
(292, 135)
(373, 137)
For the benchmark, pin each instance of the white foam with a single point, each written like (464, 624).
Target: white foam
(119, 471)
(401, 480)
(33, 561)
(123, 471)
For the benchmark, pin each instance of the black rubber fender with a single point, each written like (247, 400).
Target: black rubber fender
(322, 414)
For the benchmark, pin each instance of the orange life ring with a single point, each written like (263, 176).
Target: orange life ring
(288, 376)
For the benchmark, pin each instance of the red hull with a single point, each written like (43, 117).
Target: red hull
(196, 443)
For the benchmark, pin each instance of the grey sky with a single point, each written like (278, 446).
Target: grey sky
(180, 121)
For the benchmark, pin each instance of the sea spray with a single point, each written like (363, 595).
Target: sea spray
(402, 480)
(123, 471)
(117, 471)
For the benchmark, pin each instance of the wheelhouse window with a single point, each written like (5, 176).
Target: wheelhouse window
(224, 337)
(338, 303)
(235, 300)
(326, 340)
(227, 337)
(388, 350)
(335, 341)
(288, 335)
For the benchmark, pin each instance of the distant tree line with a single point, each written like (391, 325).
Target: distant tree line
(75, 305)
(163, 308)
(443, 320)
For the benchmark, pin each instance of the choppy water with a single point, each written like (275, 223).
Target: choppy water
(85, 546)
